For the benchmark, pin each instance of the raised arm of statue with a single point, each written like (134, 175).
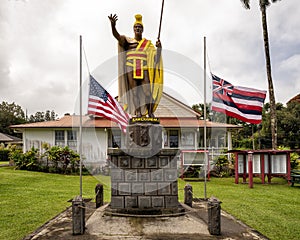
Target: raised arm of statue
(113, 19)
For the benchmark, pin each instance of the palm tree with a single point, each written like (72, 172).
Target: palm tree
(263, 5)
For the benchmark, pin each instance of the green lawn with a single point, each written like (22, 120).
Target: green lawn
(29, 199)
(272, 209)
(4, 162)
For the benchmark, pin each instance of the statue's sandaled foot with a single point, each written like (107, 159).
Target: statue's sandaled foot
(138, 112)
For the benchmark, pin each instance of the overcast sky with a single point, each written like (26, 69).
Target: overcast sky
(39, 43)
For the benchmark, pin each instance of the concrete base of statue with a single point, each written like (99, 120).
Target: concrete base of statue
(143, 175)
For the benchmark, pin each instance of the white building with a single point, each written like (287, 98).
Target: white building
(182, 129)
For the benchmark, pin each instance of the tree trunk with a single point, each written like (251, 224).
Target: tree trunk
(270, 81)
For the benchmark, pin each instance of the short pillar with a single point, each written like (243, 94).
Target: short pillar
(78, 215)
(214, 216)
(250, 169)
(99, 195)
(288, 155)
(188, 195)
(236, 168)
(262, 164)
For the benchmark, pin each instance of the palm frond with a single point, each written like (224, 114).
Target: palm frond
(266, 3)
(246, 3)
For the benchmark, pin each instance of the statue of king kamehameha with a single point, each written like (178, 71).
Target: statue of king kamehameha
(140, 70)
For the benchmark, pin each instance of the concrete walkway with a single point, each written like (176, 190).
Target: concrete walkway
(190, 226)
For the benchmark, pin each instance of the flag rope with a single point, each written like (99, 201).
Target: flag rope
(87, 64)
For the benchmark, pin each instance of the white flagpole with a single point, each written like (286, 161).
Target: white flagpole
(205, 147)
(80, 113)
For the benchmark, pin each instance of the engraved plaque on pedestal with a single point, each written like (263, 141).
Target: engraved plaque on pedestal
(143, 139)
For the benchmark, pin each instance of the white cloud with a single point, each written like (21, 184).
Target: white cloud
(289, 77)
(39, 57)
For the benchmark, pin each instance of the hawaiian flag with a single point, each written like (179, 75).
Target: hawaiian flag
(242, 103)
(102, 104)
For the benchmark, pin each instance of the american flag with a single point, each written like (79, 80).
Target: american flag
(102, 104)
(242, 103)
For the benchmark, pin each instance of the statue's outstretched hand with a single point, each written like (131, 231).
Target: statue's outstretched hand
(113, 19)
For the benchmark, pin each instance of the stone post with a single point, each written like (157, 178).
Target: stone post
(188, 195)
(78, 215)
(99, 195)
(214, 216)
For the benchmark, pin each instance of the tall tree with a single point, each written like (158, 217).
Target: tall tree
(10, 114)
(263, 6)
(43, 116)
(289, 125)
(199, 108)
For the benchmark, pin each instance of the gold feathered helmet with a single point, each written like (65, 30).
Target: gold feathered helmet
(138, 20)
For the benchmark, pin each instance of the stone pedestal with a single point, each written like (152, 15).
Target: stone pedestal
(143, 176)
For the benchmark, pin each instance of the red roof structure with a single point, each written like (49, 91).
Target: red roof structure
(99, 122)
(171, 112)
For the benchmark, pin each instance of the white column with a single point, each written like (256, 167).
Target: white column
(229, 140)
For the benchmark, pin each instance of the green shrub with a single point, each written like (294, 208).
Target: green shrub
(61, 159)
(4, 154)
(32, 159)
(16, 156)
(64, 159)
(192, 172)
(25, 161)
(295, 159)
(222, 168)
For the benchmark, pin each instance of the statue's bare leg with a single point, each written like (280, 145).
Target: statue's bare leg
(148, 94)
(134, 94)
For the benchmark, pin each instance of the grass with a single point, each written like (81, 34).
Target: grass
(29, 199)
(272, 209)
(4, 162)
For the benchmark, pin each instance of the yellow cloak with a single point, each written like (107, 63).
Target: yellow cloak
(155, 71)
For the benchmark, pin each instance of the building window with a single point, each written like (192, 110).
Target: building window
(165, 139)
(72, 135)
(72, 139)
(188, 139)
(173, 138)
(213, 143)
(221, 141)
(114, 138)
(60, 138)
(66, 138)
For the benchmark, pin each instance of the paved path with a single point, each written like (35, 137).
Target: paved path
(99, 226)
